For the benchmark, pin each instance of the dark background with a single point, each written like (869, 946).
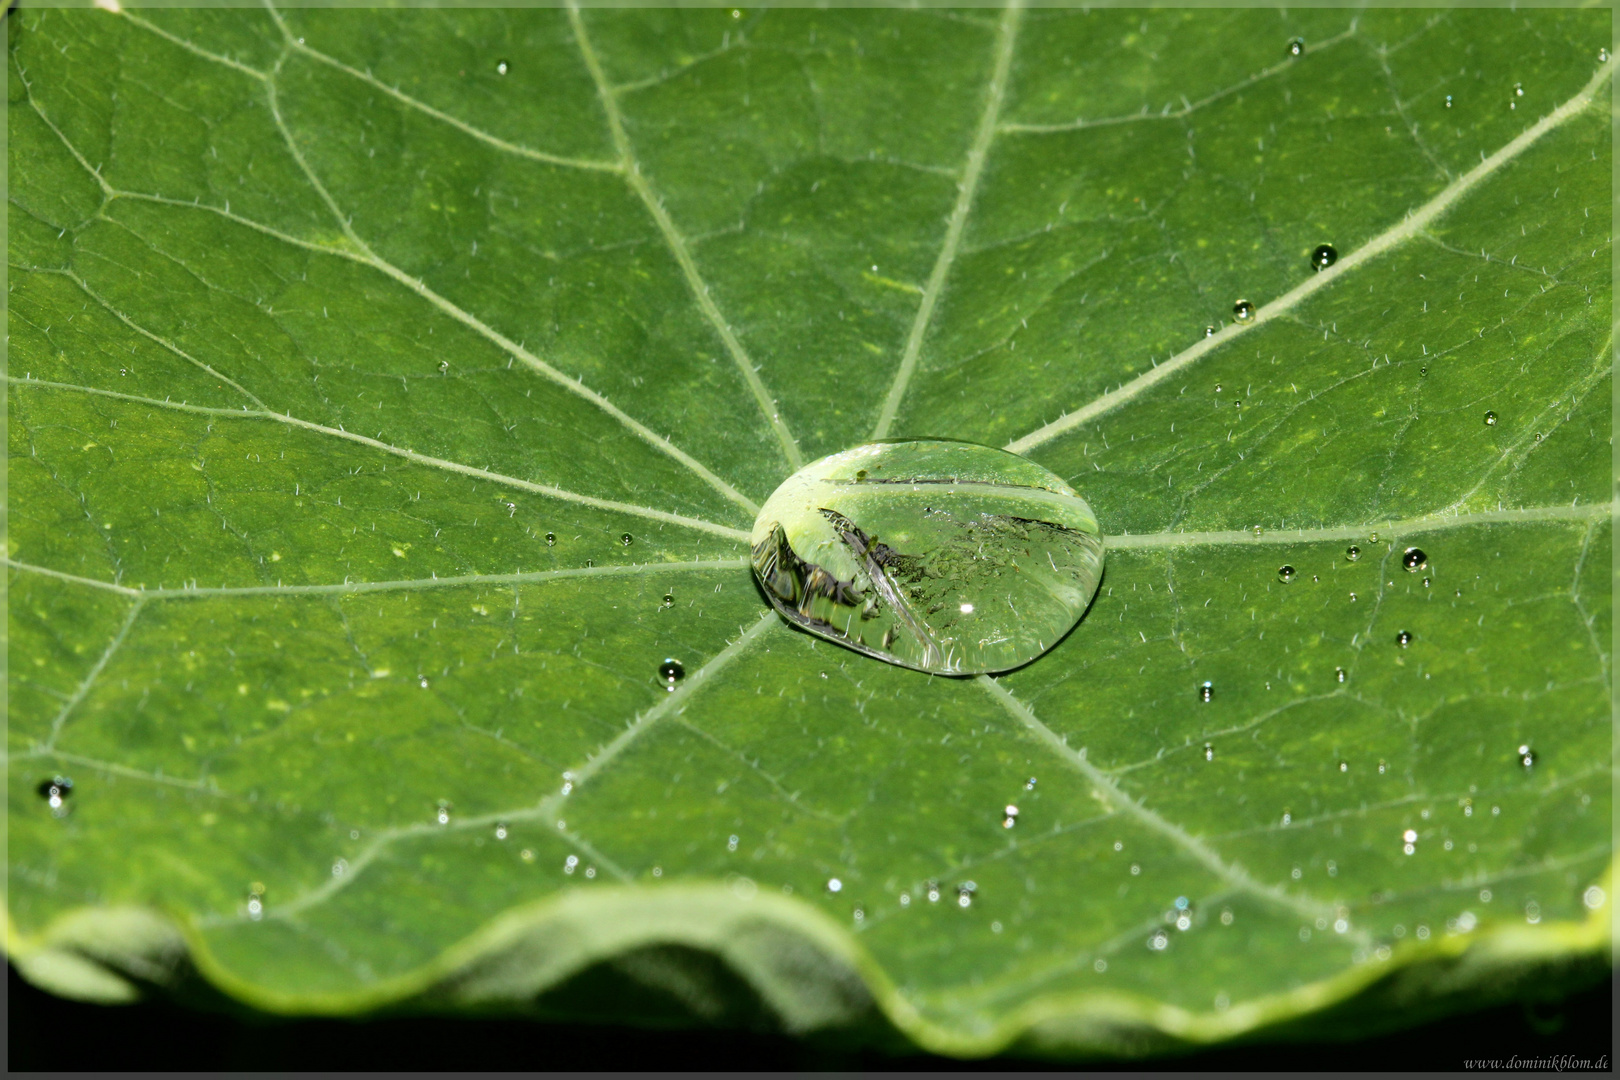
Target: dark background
(50, 1033)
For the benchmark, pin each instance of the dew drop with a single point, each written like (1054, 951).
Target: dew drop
(1217, 388)
(1414, 559)
(1352, 553)
(1352, 598)
(1324, 256)
(1209, 331)
(904, 570)
(1029, 785)
(1285, 574)
(1518, 90)
(1427, 582)
(55, 792)
(1206, 691)
(1538, 436)
(1448, 101)
(1490, 419)
(551, 539)
(1296, 47)
(1340, 674)
(1404, 638)
(1422, 371)
(834, 885)
(442, 814)
(1011, 817)
(669, 600)
(1209, 752)
(1603, 56)
(500, 831)
(1382, 767)
(932, 892)
(964, 894)
(255, 905)
(500, 68)
(627, 539)
(1243, 310)
(1344, 766)
(671, 671)
(1527, 756)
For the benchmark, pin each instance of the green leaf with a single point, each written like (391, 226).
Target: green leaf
(391, 393)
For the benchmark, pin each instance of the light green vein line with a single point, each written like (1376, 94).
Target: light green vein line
(409, 455)
(1189, 108)
(546, 809)
(678, 246)
(161, 342)
(967, 188)
(206, 786)
(1415, 222)
(462, 126)
(94, 673)
(347, 588)
(1390, 529)
(1111, 794)
(194, 49)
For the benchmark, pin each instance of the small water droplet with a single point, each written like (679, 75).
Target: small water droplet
(1382, 768)
(1243, 310)
(1324, 256)
(551, 539)
(1527, 756)
(731, 842)
(255, 906)
(1158, 941)
(1285, 574)
(1206, 691)
(1340, 674)
(1404, 638)
(1029, 785)
(1352, 553)
(1296, 47)
(1427, 582)
(1217, 388)
(1209, 331)
(627, 539)
(1422, 372)
(500, 68)
(1344, 766)
(1490, 419)
(932, 893)
(442, 814)
(1209, 752)
(671, 671)
(55, 792)
(500, 831)
(1414, 559)
(1352, 598)
(1518, 90)
(1448, 101)
(1603, 56)
(834, 885)
(964, 893)
(669, 600)
(1538, 436)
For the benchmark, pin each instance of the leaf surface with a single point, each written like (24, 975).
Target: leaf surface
(391, 393)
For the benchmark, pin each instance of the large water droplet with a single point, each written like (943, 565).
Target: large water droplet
(945, 557)
(1285, 574)
(1243, 310)
(551, 539)
(1324, 256)
(1352, 553)
(627, 539)
(671, 671)
(1490, 418)
(1414, 559)
(669, 600)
